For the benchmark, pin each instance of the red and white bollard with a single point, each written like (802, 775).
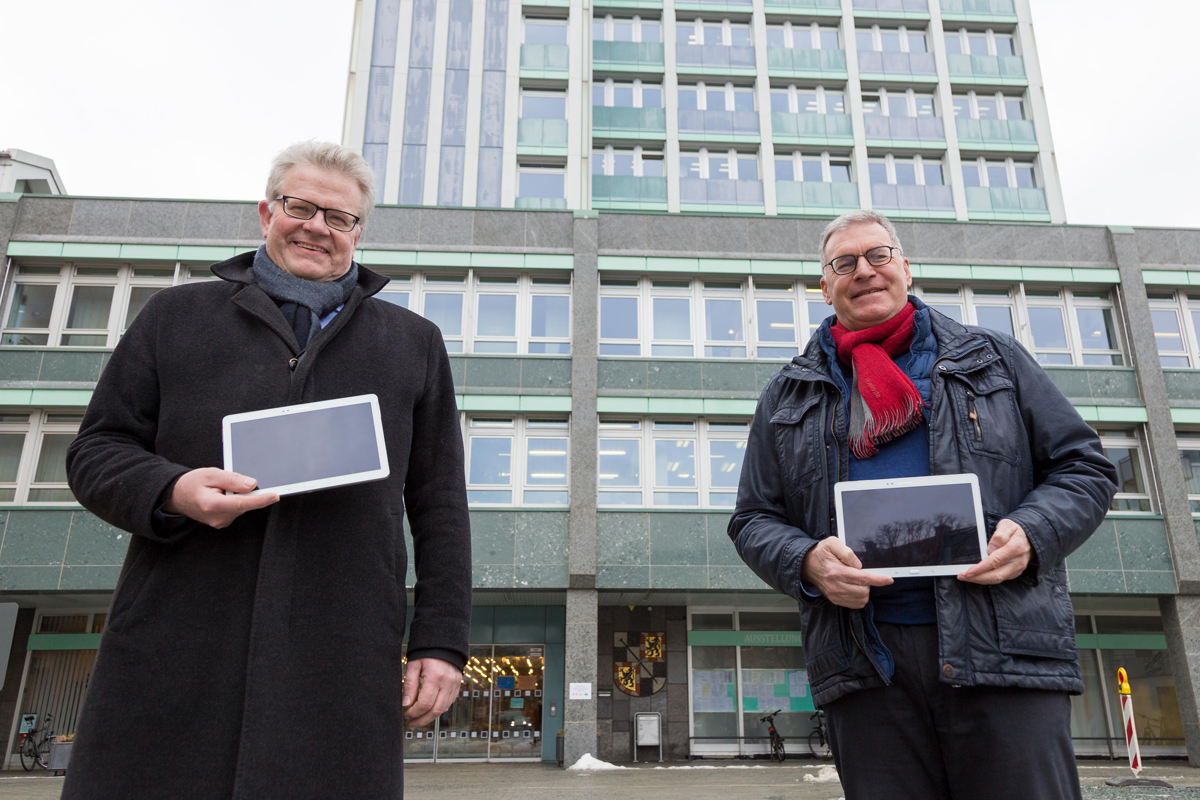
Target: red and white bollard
(1131, 740)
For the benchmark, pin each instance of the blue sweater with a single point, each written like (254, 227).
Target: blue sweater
(908, 601)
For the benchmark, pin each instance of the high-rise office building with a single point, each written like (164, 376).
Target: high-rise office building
(917, 108)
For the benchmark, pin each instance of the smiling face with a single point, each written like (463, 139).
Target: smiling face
(310, 249)
(868, 295)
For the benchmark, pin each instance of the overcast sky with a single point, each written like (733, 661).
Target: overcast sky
(191, 100)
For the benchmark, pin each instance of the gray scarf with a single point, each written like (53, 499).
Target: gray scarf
(295, 295)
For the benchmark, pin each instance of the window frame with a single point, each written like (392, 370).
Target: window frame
(520, 434)
(637, 20)
(647, 435)
(35, 428)
(963, 33)
(1184, 305)
(124, 279)
(1131, 439)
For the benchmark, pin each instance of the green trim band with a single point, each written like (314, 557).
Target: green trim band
(63, 641)
(744, 639)
(1120, 641)
(1112, 413)
(369, 258)
(675, 405)
(1185, 416)
(512, 402)
(46, 398)
(1163, 277)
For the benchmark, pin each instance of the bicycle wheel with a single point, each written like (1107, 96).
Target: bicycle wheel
(777, 751)
(28, 753)
(818, 745)
(43, 755)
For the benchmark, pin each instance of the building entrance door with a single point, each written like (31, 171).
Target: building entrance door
(498, 712)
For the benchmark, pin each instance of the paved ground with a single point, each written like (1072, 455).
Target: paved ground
(683, 781)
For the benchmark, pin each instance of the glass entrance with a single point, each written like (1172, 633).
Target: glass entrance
(498, 712)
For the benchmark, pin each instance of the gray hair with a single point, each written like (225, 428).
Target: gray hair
(852, 218)
(325, 155)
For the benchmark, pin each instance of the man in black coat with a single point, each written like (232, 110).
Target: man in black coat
(934, 688)
(252, 639)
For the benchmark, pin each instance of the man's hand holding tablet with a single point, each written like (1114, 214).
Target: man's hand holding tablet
(201, 495)
(837, 573)
(1009, 552)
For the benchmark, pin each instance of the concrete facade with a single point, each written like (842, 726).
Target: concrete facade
(592, 561)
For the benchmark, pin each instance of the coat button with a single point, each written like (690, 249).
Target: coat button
(941, 366)
(948, 671)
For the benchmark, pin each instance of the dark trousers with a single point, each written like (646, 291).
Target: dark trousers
(923, 739)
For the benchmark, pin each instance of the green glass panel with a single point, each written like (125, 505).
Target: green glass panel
(810, 124)
(958, 63)
(784, 123)
(624, 187)
(529, 132)
(817, 194)
(806, 59)
(1011, 66)
(994, 130)
(650, 53)
(833, 60)
(600, 190)
(779, 58)
(1033, 199)
(533, 56)
(652, 119)
(558, 56)
(838, 125)
(968, 130)
(985, 66)
(554, 132)
(601, 116)
(654, 190)
(789, 193)
(845, 195)
(1005, 199)
(623, 52)
(979, 198)
(1021, 130)
(601, 50)
(623, 119)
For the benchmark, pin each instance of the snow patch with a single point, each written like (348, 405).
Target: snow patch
(828, 774)
(588, 763)
(714, 766)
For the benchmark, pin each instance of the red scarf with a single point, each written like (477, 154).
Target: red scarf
(884, 402)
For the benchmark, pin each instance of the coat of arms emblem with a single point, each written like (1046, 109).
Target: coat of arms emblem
(640, 663)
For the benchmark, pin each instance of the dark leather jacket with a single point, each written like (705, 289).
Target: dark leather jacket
(1038, 463)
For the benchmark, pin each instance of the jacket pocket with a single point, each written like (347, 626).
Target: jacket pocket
(825, 637)
(1035, 620)
(797, 443)
(986, 406)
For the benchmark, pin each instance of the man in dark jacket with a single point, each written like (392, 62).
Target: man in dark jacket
(249, 635)
(933, 687)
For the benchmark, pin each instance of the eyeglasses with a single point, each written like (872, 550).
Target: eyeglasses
(876, 257)
(302, 209)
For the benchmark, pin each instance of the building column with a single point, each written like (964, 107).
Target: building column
(579, 716)
(1181, 612)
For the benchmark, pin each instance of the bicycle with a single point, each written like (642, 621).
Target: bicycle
(818, 739)
(35, 751)
(777, 751)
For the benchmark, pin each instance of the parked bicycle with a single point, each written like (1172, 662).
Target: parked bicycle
(34, 747)
(818, 739)
(777, 751)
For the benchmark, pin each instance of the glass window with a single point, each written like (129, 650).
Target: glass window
(871, 105)
(988, 107)
(622, 30)
(50, 476)
(864, 40)
(806, 103)
(1004, 45)
(890, 41)
(1014, 109)
(548, 31)
(812, 169)
(713, 34)
(90, 307)
(785, 170)
(622, 163)
(835, 103)
(780, 102)
(496, 317)
(715, 98)
(997, 175)
(545, 469)
(544, 106)
(1049, 334)
(878, 172)
(672, 321)
(1172, 351)
(550, 318)
(916, 42)
(30, 311)
(962, 106)
(740, 35)
(623, 95)
(619, 471)
(1097, 336)
(932, 172)
(651, 96)
(747, 168)
(686, 34)
(970, 172)
(541, 183)
(598, 94)
(723, 323)
(906, 173)
(953, 44)
(651, 31)
(978, 44)
(652, 167)
(598, 160)
(996, 318)
(924, 104)
(1122, 449)
(828, 38)
(839, 172)
(776, 324)
(688, 99)
(12, 445)
(619, 320)
(445, 311)
(1024, 176)
(776, 36)
(675, 472)
(743, 100)
(725, 469)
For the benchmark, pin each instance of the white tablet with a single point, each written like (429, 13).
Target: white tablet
(913, 527)
(306, 447)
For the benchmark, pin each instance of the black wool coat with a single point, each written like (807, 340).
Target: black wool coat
(264, 660)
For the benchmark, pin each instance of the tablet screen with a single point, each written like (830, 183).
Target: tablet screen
(305, 445)
(912, 526)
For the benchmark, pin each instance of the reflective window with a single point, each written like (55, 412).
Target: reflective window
(545, 31)
(33, 457)
(538, 447)
(1123, 449)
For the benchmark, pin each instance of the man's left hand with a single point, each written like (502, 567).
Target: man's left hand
(1008, 556)
(430, 686)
